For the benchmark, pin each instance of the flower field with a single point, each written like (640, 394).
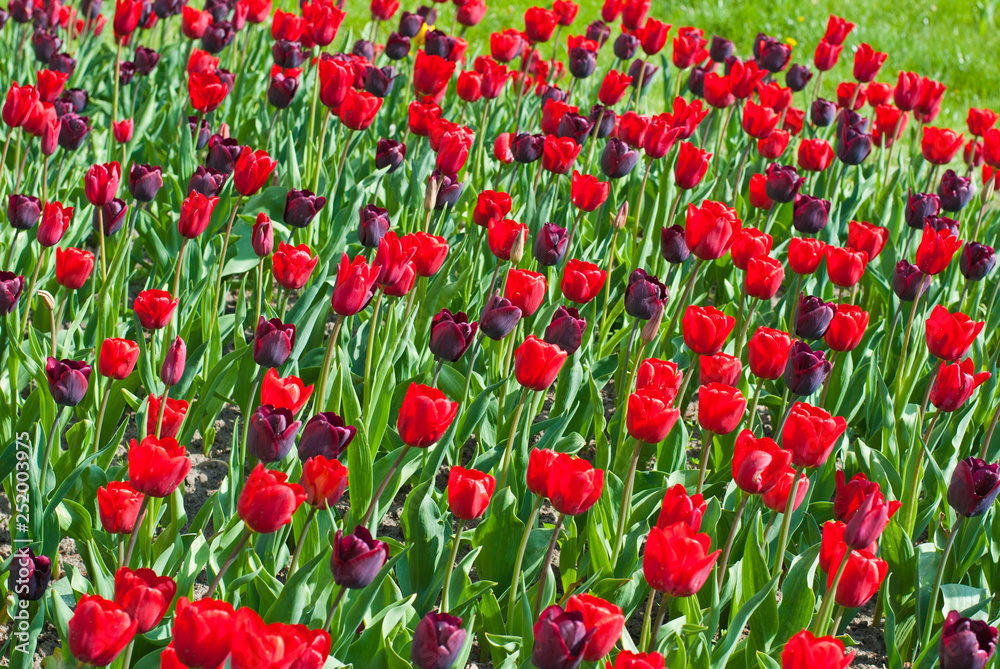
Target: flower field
(382, 340)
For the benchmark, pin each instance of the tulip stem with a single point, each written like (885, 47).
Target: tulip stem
(333, 607)
(319, 150)
(938, 578)
(100, 235)
(624, 511)
(647, 620)
(826, 381)
(450, 567)
(753, 404)
(298, 546)
(786, 520)
(572, 233)
(706, 450)
(48, 450)
(528, 526)
(437, 373)
(688, 287)
(525, 63)
(100, 415)
(546, 563)
(135, 531)
(472, 364)
(508, 451)
(372, 323)
(820, 626)
(911, 489)
(340, 164)
(177, 270)
(660, 617)
(331, 344)
(222, 256)
(382, 486)
(127, 655)
(795, 304)
(724, 562)
(638, 212)
(593, 140)
(742, 167)
(989, 433)
(228, 563)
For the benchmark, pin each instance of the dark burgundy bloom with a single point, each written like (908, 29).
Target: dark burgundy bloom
(908, 281)
(23, 211)
(437, 641)
(144, 182)
(498, 318)
(389, 154)
(145, 61)
(566, 329)
(974, 485)
(73, 130)
(560, 639)
(451, 335)
(373, 224)
(357, 558)
(301, 206)
(782, 182)
(111, 216)
(272, 433)
(645, 295)
(550, 245)
(771, 54)
(527, 148)
(288, 54)
(673, 245)
(67, 380)
(618, 159)
(966, 643)
(222, 154)
(954, 191)
(806, 369)
(810, 214)
(977, 260)
(325, 434)
(797, 77)
(29, 575)
(206, 181)
(273, 342)
(813, 317)
(822, 112)
(919, 206)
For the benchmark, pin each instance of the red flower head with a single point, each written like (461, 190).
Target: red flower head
(847, 328)
(206, 90)
(292, 265)
(173, 415)
(128, 13)
(650, 417)
(863, 573)
(358, 109)
(574, 485)
(955, 384)
(758, 121)
(587, 192)
(469, 492)
(719, 91)
(383, 10)
(691, 166)
(950, 336)
(632, 128)
(758, 463)
(776, 499)
(705, 329)
(582, 281)
(100, 184)
(604, 618)
(929, 105)
(711, 229)
(196, 214)
(424, 416)
(253, 169)
(980, 120)
(936, 250)
(157, 467)
(118, 505)
(99, 631)
(768, 353)
(491, 204)
(118, 358)
(661, 375)
(805, 254)
(335, 80)
(763, 277)
(540, 463)
(203, 631)
(845, 266)
(50, 85)
(653, 36)
(324, 481)
(750, 243)
(613, 88)
(355, 281)
(431, 74)
(660, 136)
(539, 24)
(154, 308)
(720, 408)
(805, 651)
(814, 155)
(719, 368)
(537, 363)
(867, 63)
(939, 145)
(429, 252)
(286, 393)
(525, 289)
(676, 560)
(504, 235)
(19, 105)
(773, 146)
(559, 153)
(810, 433)
(194, 22)
(144, 596)
(863, 236)
(689, 49)
(506, 45)
(679, 507)
(267, 501)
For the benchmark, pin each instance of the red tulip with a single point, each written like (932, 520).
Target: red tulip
(558, 154)
(431, 74)
(863, 574)
(284, 393)
(292, 265)
(758, 464)
(525, 289)
(758, 194)
(267, 501)
(955, 384)
(173, 415)
(867, 63)
(936, 250)
(847, 328)
(949, 336)
(53, 224)
(539, 24)
(768, 352)
(540, 463)
(629, 660)
(763, 277)
(503, 235)
(844, 266)
(863, 236)
(582, 281)
(676, 560)
(574, 485)
(469, 492)
(196, 214)
(491, 205)
(19, 104)
(805, 651)
(804, 254)
(980, 121)
(810, 433)
(335, 80)
(272, 646)
(154, 308)
(157, 467)
(207, 91)
(632, 128)
(613, 88)
(691, 166)
(99, 631)
(604, 618)
(100, 184)
(587, 192)
(660, 375)
(144, 596)
(776, 499)
(537, 363)
(720, 368)
(720, 408)
(650, 417)
(749, 243)
(705, 329)
(425, 415)
(814, 155)
(324, 481)
(939, 145)
(118, 358)
(203, 632)
(758, 121)
(711, 229)
(253, 169)
(118, 505)
(355, 281)
(679, 507)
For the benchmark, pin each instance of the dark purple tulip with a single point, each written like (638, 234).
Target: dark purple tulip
(67, 380)
(919, 206)
(566, 329)
(62, 108)
(11, 287)
(645, 295)
(45, 45)
(372, 225)
(145, 181)
(439, 43)
(527, 148)
(217, 36)
(281, 90)
(805, 369)
(378, 81)
(222, 154)
(174, 362)
(974, 485)
(908, 281)
(550, 245)
(720, 49)
(673, 245)
(449, 190)
(272, 433)
(977, 260)
(797, 77)
(23, 211)
(810, 214)
(199, 132)
(696, 81)
(771, 54)
(29, 575)
(145, 61)
(21, 10)
(437, 641)
(560, 638)
(854, 143)
(287, 54)
(397, 47)
(325, 434)
(499, 317)
(582, 62)
(647, 69)
(428, 13)
(126, 72)
(625, 46)
(782, 183)
(608, 121)
(410, 24)
(868, 521)
(822, 112)
(389, 153)
(206, 181)
(966, 643)
(451, 335)
(813, 317)
(166, 8)
(62, 62)
(552, 93)
(73, 130)
(227, 78)
(618, 159)
(954, 191)
(575, 126)
(599, 32)
(77, 97)
(365, 49)
(941, 223)
(112, 216)
(273, 342)
(262, 237)
(357, 558)
(219, 9)
(301, 206)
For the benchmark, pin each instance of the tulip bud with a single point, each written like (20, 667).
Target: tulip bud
(173, 363)
(29, 575)
(673, 245)
(974, 486)
(263, 236)
(431, 193)
(651, 327)
(517, 249)
(437, 641)
(621, 217)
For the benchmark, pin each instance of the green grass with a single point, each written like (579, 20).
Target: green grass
(954, 42)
